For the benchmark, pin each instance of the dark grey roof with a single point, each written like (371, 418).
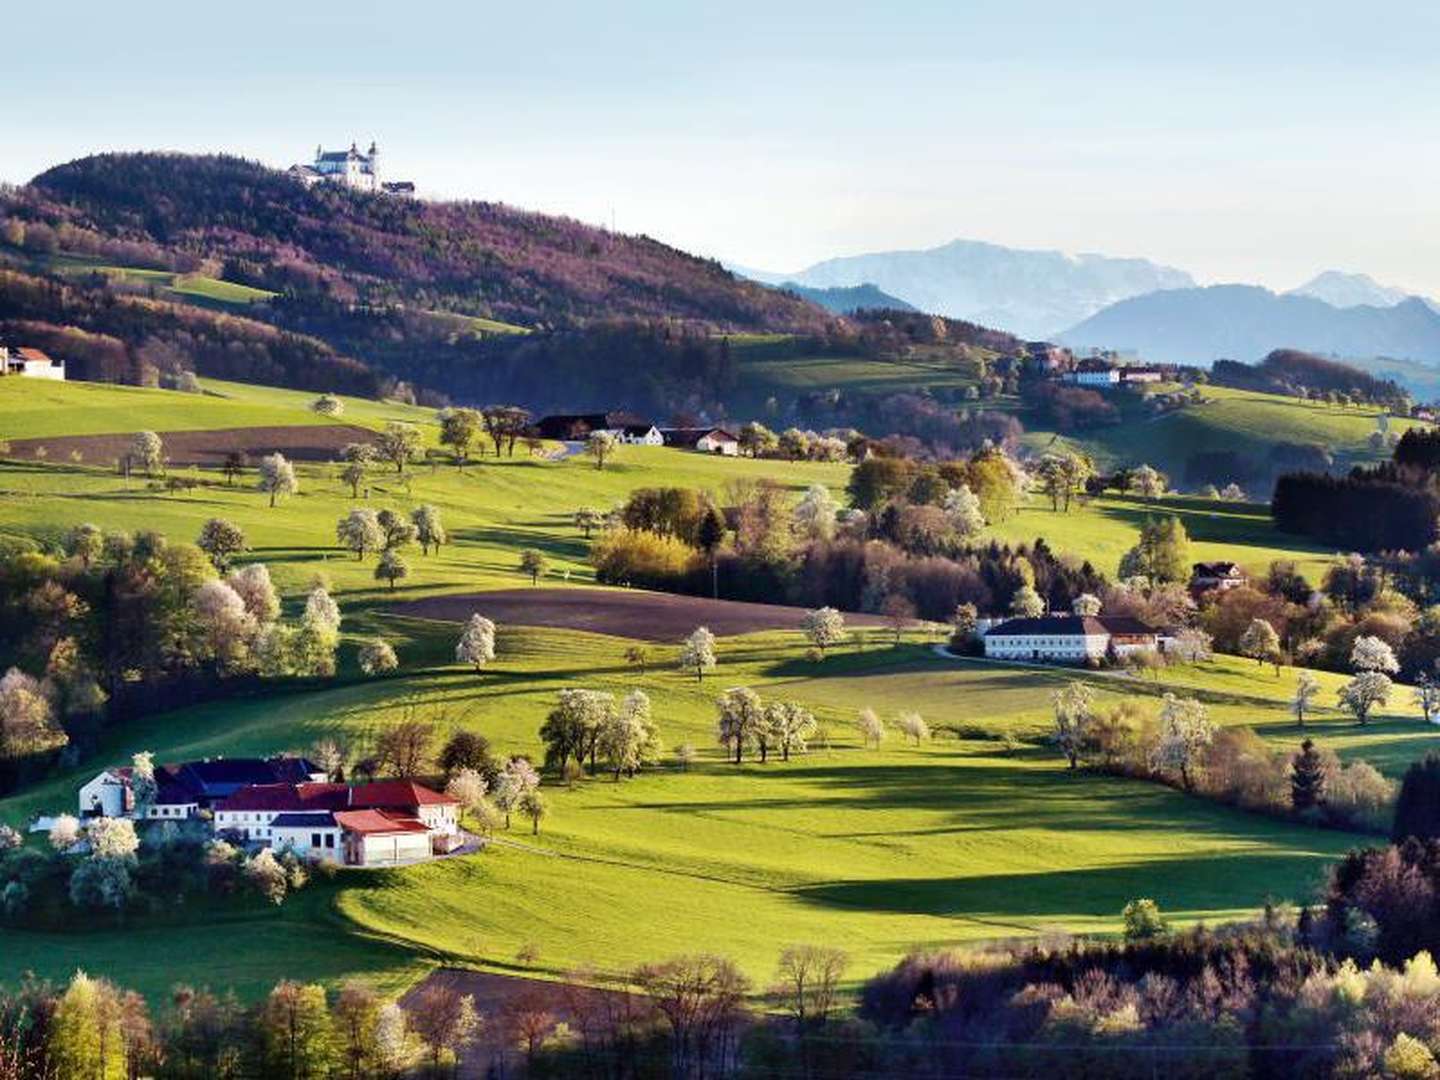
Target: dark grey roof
(1071, 625)
(323, 820)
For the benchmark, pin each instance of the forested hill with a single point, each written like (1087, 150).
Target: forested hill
(473, 258)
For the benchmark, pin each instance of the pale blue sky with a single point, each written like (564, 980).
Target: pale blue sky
(1240, 141)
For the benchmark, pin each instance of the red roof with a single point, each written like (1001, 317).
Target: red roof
(27, 353)
(392, 793)
(287, 797)
(378, 823)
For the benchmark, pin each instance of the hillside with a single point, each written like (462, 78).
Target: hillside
(845, 299)
(1030, 293)
(1244, 322)
(826, 846)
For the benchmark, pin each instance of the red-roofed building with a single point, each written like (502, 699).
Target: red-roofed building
(383, 838)
(30, 362)
(440, 813)
(251, 811)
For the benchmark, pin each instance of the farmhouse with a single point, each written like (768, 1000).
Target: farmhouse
(378, 824)
(1094, 371)
(185, 789)
(705, 440)
(641, 435)
(1216, 576)
(30, 363)
(1073, 639)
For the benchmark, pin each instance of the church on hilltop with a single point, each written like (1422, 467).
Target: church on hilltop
(351, 169)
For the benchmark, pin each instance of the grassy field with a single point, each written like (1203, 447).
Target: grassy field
(981, 833)
(1240, 420)
(962, 839)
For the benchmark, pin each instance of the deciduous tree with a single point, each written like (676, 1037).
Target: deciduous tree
(277, 477)
(477, 642)
(697, 653)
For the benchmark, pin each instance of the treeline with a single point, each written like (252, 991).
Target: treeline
(105, 335)
(1302, 374)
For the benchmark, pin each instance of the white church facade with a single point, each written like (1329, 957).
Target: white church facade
(359, 171)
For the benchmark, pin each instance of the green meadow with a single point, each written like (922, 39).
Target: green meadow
(978, 834)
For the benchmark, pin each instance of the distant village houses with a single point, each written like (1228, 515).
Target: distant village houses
(636, 431)
(1217, 576)
(1101, 373)
(350, 169)
(30, 363)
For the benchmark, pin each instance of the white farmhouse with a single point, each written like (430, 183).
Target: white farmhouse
(1093, 372)
(31, 364)
(706, 440)
(640, 435)
(1073, 639)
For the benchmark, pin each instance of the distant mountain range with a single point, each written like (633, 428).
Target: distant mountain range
(1034, 294)
(1343, 290)
(1245, 322)
(844, 299)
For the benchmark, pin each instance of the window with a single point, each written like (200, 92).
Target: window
(314, 839)
(330, 840)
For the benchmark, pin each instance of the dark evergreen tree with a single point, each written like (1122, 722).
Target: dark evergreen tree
(1417, 811)
(1307, 778)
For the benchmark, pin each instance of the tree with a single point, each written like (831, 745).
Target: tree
(628, 738)
(445, 1021)
(84, 1040)
(1143, 921)
(459, 428)
(357, 1021)
(468, 750)
(872, 728)
(1307, 689)
(253, 585)
(790, 727)
(112, 838)
(697, 653)
(1185, 731)
(1074, 706)
(1026, 603)
(1417, 809)
(637, 656)
(235, 462)
(600, 445)
(815, 513)
(1307, 778)
(399, 443)
(468, 788)
(1086, 604)
(515, 780)
(756, 439)
(64, 832)
(505, 423)
(702, 1001)
(1194, 646)
(534, 563)
(808, 981)
(267, 877)
(27, 718)
(1162, 553)
(327, 405)
(686, 755)
(962, 510)
(397, 530)
(912, 725)
(221, 540)
(740, 720)
(588, 519)
(1362, 693)
(428, 529)
(477, 642)
(277, 477)
(360, 532)
(1427, 696)
(404, 747)
(533, 805)
(391, 567)
(709, 535)
(377, 657)
(85, 542)
(1062, 475)
(899, 613)
(358, 458)
(824, 627)
(572, 728)
(148, 451)
(295, 1028)
(1371, 653)
(1147, 482)
(794, 444)
(1260, 642)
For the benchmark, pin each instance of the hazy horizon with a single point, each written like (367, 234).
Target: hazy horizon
(1238, 145)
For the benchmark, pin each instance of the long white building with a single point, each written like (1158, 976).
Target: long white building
(1073, 639)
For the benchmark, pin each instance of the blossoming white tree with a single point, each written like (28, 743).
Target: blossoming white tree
(477, 642)
(1185, 731)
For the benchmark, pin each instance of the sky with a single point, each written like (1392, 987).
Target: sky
(1258, 142)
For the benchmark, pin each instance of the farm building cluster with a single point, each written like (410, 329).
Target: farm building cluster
(30, 363)
(288, 804)
(636, 431)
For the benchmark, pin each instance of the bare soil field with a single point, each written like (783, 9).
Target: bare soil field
(300, 443)
(648, 616)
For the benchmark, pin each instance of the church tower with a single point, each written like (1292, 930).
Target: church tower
(374, 166)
